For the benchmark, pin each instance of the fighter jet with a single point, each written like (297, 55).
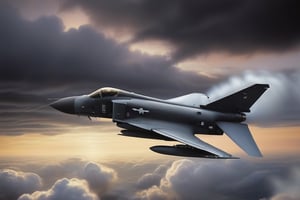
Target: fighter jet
(177, 119)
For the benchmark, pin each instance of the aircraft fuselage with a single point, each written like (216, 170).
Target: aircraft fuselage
(100, 104)
(176, 119)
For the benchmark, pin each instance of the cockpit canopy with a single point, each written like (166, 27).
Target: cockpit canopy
(105, 92)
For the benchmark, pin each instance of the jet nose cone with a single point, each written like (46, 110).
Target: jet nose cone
(66, 105)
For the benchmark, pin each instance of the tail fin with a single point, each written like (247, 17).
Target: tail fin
(240, 101)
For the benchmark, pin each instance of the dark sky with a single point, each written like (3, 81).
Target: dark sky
(40, 60)
(243, 41)
(195, 27)
(42, 54)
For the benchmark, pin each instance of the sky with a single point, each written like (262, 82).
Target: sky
(52, 49)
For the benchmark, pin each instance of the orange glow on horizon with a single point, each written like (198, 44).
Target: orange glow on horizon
(109, 145)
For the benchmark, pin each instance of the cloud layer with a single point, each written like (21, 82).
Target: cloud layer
(181, 179)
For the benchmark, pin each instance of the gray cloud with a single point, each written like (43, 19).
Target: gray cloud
(73, 189)
(40, 53)
(152, 179)
(277, 107)
(98, 177)
(148, 180)
(14, 183)
(195, 27)
(187, 179)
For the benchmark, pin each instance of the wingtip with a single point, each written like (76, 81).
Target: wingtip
(257, 154)
(266, 86)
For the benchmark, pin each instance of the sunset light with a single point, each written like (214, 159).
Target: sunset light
(52, 49)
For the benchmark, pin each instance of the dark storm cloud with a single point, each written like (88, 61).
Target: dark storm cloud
(38, 60)
(40, 52)
(195, 27)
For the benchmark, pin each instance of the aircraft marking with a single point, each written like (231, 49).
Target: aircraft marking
(141, 111)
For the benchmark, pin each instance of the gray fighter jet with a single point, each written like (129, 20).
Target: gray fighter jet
(176, 119)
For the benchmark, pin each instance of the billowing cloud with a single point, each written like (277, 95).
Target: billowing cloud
(14, 183)
(73, 189)
(277, 106)
(201, 26)
(152, 179)
(72, 178)
(153, 193)
(187, 179)
(98, 177)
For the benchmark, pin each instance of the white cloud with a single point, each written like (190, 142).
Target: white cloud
(71, 189)
(14, 183)
(98, 177)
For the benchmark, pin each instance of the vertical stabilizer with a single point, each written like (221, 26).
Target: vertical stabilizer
(240, 101)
